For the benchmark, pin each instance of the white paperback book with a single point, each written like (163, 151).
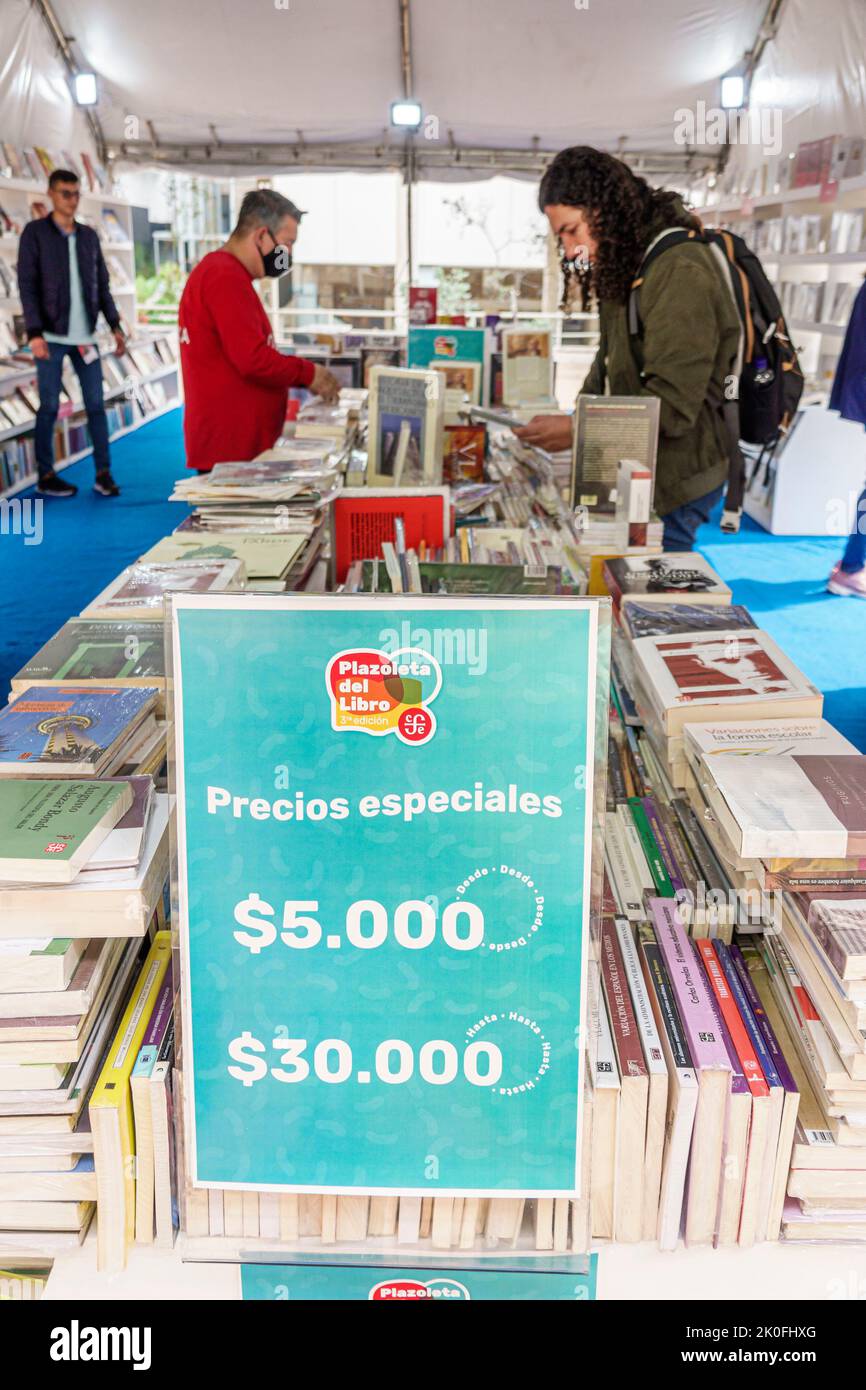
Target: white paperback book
(658, 1077)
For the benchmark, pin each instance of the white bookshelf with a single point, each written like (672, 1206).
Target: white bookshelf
(16, 198)
(146, 410)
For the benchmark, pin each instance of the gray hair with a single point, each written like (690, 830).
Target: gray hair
(264, 207)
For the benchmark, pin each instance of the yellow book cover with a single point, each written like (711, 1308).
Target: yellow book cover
(110, 1105)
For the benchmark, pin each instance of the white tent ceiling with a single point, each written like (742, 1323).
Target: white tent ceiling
(242, 86)
(496, 73)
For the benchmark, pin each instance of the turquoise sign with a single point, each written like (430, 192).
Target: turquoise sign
(384, 814)
(523, 1278)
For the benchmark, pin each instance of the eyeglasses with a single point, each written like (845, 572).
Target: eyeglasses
(69, 193)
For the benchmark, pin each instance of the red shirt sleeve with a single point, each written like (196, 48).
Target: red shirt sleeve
(243, 342)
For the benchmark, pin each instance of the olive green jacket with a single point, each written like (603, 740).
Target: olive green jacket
(690, 337)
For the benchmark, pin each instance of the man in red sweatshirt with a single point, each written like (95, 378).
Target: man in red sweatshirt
(235, 381)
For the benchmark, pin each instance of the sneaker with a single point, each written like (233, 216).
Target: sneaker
(849, 584)
(53, 486)
(105, 485)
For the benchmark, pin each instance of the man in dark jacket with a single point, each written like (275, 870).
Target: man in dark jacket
(63, 283)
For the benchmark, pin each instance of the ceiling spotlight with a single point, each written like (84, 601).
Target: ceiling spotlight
(406, 114)
(733, 91)
(84, 88)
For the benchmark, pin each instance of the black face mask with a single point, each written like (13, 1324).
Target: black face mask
(277, 261)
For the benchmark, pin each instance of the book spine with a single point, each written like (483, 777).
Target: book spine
(625, 885)
(636, 756)
(661, 839)
(660, 983)
(616, 780)
(773, 1046)
(634, 849)
(741, 1052)
(744, 1009)
(652, 1046)
(650, 848)
(706, 1041)
(704, 857)
(679, 846)
(622, 1019)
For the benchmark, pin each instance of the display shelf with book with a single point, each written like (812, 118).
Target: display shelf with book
(141, 385)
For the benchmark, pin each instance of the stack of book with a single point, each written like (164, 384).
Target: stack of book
(736, 812)
(83, 851)
(270, 560)
(287, 497)
(792, 801)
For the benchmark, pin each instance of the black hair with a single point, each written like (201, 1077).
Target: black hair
(62, 176)
(621, 209)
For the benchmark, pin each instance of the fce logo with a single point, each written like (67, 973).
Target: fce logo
(414, 1291)
(375, 693)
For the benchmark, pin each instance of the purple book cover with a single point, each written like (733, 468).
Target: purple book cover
(765, 1026)
(161, 1016)
(706, 1042)
(663, 843)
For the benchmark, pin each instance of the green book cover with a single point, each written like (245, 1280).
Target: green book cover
(47, 828)
(444, 578)
(650, 848)
(87, 649)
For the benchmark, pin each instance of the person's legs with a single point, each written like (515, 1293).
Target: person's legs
(48, 377)
(855, 551)
(90, 376)
(681, 525)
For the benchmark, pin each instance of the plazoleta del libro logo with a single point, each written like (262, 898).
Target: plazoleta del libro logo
(442, 1290)
(379, 693)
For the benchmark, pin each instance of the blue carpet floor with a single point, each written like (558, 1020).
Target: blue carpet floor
(87, 540)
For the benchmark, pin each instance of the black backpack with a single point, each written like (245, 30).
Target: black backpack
(766, 380)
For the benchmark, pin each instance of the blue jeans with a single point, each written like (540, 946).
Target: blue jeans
(682, 523)
(48, 375)
(855, 551)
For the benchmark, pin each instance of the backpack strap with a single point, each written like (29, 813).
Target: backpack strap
(673, 236)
